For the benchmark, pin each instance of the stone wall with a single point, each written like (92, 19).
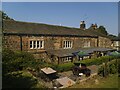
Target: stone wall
(104, 42)
(12, 42)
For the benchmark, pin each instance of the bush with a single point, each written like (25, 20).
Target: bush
(108, 68)
(63, 67)
(100, 71)
(13, 61)
(88, 62)
(96, 61)
(113, 69)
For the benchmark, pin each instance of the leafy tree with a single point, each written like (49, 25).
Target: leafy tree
(13, 72)
(7, 58)
(102, 30)
(13, 61)
(112, 36)
(119, 35)
(5, 16)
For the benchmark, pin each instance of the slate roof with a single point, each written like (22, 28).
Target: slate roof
(116, 39)
(70, 52)
(18, 27)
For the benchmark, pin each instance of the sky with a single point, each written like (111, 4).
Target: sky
(66, 13)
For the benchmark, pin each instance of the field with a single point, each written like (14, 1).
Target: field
(98, 82)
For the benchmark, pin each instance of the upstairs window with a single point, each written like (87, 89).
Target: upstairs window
(31, 44)
(67, 44)
(36, 44)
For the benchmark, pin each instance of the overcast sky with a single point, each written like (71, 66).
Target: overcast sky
(67, 14)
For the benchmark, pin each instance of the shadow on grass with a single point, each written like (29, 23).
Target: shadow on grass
(18, 81)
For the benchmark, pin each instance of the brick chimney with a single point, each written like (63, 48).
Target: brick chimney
(82, 25)
(94, 26)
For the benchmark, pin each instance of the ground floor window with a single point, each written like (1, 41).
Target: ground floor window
(36, 44)
(67, 59)
(87, 44)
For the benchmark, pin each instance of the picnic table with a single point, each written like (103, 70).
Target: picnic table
(48, 74)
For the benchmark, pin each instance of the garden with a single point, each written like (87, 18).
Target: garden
(16, 67)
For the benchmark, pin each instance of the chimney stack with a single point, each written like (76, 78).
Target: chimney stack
(94, 26)
(82, 25)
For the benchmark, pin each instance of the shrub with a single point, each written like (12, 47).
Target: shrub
(96, 61)
(13, 61)
(108, 68)
(88, 62)
(63, 67)
(113, 69)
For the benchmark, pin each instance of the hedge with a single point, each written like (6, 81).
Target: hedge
(96, 61)
(68, 66)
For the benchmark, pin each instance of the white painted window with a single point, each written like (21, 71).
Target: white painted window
(87, 44)
(31, 44)
(67, 44)
(116, 43)
(66, 59)
(38, 44)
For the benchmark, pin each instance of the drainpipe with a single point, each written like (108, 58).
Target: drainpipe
(97, 41)
(20, 42)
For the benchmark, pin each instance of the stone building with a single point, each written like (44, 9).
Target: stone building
(116, 43)
(50, 42)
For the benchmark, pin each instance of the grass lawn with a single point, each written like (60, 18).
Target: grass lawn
(110, 82)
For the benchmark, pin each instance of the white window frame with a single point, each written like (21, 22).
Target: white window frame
(67, 44)
(37, 44)
(31, 44)
(117, 43)
(67, 59)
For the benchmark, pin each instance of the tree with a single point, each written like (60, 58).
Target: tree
(119, 35)
(112, 36)
(102, 30)
(13, 61)
(5, 16)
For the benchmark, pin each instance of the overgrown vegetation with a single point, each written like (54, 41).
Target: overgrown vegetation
(108, 68)
(14, 65)
(5, 16)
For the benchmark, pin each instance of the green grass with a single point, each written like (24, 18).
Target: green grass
(110, 82)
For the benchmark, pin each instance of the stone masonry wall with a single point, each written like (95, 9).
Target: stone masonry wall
(105, 42)
(12, 42)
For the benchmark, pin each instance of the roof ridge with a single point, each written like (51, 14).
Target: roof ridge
(42, 24)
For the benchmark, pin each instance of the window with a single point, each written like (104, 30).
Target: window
(116, 43)
(67, 44)
(87, 44)
(66, 59)
(31, 44)
(36, 44)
